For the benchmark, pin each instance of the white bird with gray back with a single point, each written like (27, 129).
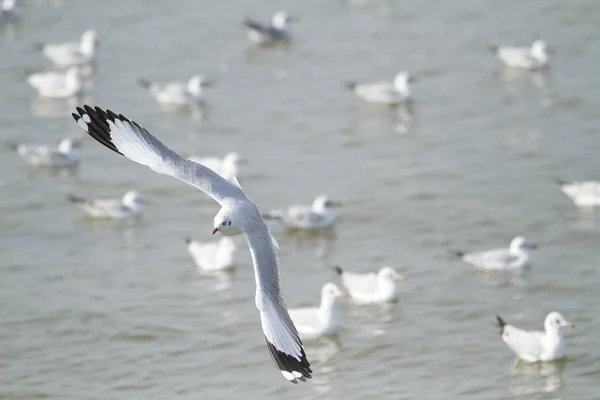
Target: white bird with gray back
(380, 287)
(514, 257)
(127, 207)
(583, 193)
(319, 215)
(259, 33)
(63, 155)
(528, 58)
(322, 320)
(390, 93)
(56, 84)
(238, 214)
(72, 53)
(213, 256)
(177, 93)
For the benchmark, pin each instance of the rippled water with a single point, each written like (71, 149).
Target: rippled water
(117, 310)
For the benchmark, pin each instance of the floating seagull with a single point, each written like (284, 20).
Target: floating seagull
(278, 30)
(384, 92)
(533, 346)
(583, 193)
(529, 58)
(214, 256)
(64, 155)
(8, 9)
(57, 85)
(319, 215)
(177, 93)
(322, 320)
(238, 214)
(68, 54)
(129, 206)
(515, 257)
(371, 288)
(227, 166)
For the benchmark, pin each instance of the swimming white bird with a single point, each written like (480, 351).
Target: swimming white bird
(129, 206)
(238, 214)
(322, 320)
(213, 256)
(515, 257)
(319, 215)
(8, 9)
(390, 93)
(64, 155)
(533, 346)
(68, 54)
(529, 58)
(583, 193)
(371, 288)
(57, 85)
(227, 167)
(278, 29)
(177, 93)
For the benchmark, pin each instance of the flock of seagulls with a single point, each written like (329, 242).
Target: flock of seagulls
(239, 215)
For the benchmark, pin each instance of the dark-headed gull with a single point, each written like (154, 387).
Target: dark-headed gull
(319, 215)
(322, 320)
(514, 257)
(390, 93)
(177, 93)
(127, 207)
(63, 155)
(380, 287)
(78, 53)
(529, 58)
(534, 346)
(277, 30)
(213, 256)
(238, 214)
(57, 84)
(583, 193)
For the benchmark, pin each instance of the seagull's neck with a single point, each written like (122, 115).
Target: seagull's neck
(385, 287)
(328, 308)
(87, 47)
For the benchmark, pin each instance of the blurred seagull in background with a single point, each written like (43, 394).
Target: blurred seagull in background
(390, 93)
(77, 53)
(177, 93)
(534, 346)
(372, 287)
(129, 206)
(63, 155)
(319, 215)
(8, 9)
(278, 30)
(515, 257)
(238, 214)
(227, 167)
(583, 193)
(57, 84)
(213, 256)
(528, 58)
(322, 320)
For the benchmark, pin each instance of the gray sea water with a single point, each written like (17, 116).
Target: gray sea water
(105, 310)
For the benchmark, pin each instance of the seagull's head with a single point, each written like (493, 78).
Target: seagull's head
(330, 293)
(324, 202)
(89, 41)
(133, 199)
(225, 223)
(520, 244)
(281, 19)
(197, 83)
(554, 321)
(539, 47)
(389, 274)
(402, 79)
(66, 145)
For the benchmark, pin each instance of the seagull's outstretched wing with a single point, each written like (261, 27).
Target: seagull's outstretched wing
(134, 142)
(282, 337)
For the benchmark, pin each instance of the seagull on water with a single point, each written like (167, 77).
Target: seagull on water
(319, 215)
(516, 256)
(322, 320)
(177, 93)
(8, 9)
(77, 53)
(528, 58)
(227, 167)
(213, 256)
(238, 215)
(64, 155)
(57, 84)
(534, 346)
(380, 287)
(127, 207)
(390, 93)
(278, 29)
(583, 193)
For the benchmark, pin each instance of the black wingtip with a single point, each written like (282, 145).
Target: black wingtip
(97, 124)
(493, 48)
(338, 270)
(74, 199)
(501, 323)
(560, 182)
(144, 83)
(12, 146)
(39, 46)
(188, 240)
(350, 85)
(458, 253)
(290, 364)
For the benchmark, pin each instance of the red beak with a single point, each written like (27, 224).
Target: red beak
(215, 230)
